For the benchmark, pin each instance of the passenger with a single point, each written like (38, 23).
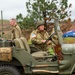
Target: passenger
(51, 31)
(50, 28)
(39, 36)
(16, 31)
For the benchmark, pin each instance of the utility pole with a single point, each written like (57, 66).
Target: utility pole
(2, 23)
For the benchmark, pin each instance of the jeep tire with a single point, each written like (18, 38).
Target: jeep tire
(8, 70)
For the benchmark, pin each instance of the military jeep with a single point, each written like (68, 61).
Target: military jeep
(16, 57)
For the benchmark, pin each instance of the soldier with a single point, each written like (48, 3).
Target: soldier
(51, 31)
(39, 36)
(50, 27)
(16, 31)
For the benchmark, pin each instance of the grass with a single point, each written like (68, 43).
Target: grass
(69, 40)
(4, 20)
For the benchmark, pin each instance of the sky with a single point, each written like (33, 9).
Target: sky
(72, 8)
(11, 8)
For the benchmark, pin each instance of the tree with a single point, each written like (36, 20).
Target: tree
(44, 9)
(19, 19)
(48, 8)
(26, 22)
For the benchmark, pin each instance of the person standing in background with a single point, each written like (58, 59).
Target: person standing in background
(16, 30)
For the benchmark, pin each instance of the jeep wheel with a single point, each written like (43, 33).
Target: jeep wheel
(8, 70)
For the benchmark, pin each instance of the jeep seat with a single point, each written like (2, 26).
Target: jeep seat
(22, 43)
(35, 54)
(25, 43)
(18, 43)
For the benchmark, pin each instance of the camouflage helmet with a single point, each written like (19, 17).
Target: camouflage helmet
(39, 23)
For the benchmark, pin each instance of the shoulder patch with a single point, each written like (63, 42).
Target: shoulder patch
(33, 35)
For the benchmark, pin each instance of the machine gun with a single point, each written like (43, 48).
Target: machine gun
(50, 38)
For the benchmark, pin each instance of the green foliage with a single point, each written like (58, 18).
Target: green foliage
(39, 9)
(19, 19)
(53, 8)
(27, 22)
(4, 21)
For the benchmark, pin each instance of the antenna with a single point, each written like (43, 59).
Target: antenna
(2, 23)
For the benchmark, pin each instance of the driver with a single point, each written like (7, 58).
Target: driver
(39, 36)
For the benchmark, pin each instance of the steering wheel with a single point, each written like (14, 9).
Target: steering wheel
(53, 39)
